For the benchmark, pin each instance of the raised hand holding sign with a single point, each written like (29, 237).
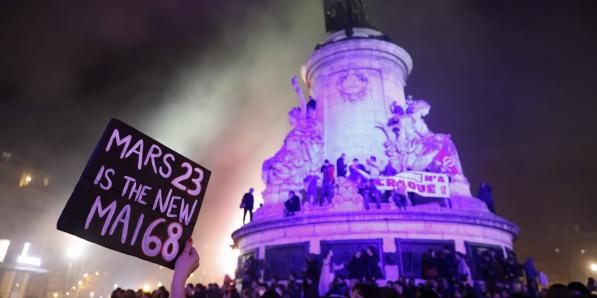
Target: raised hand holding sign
(136, 196)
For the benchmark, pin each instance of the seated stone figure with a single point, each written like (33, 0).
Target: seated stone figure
(414, 146)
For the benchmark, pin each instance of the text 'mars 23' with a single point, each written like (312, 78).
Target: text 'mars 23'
(136, 196)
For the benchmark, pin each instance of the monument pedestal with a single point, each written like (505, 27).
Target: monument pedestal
(392, 232)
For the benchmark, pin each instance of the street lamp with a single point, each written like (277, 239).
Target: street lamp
(24, 258)
(74, 252)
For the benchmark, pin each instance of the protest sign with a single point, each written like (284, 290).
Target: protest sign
(426, 184)
(136, 196)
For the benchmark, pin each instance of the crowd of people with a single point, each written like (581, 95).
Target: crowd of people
(362, 175)
(401, 288)
(443, 273)
(321, 193)
(160, 292)
(343, 287)
(444, 282)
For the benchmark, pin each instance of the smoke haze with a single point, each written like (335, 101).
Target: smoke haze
(512, 82)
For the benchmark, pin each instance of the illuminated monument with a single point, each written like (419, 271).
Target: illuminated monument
(357, 79)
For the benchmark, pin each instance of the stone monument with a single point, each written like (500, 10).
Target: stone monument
(358, 107)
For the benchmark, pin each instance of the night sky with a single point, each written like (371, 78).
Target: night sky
(513, 82)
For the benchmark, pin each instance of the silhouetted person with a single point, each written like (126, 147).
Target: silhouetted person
(370, 193)
(577, 289)
(341, 165)
(310, 288)
(400, 197)
(247, 205)
(311, 189)
(313, 268)
(591, 285)
(311, 104)
(389, 170)
(530, 270)
(484, 194)
(430, 264)
(293, 288)
(373, 264)
(250, 271)
(357, 267)
(311, 277)
(327, 186)
(463, 269)
(366, 291)
(293, 204)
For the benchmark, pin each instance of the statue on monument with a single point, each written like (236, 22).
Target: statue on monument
(413, 146)
(300, 155)
(344, 15)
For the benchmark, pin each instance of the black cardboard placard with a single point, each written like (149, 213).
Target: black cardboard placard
(136, 196)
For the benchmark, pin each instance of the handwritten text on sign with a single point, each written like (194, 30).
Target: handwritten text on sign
(136, 196)
(423, 183)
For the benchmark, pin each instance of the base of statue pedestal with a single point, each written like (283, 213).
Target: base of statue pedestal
(283, 243)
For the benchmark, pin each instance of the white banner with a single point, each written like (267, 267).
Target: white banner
(423, 183)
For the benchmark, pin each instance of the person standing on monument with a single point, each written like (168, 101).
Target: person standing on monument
(356, 169)
(484, 194)
(327, 187)
(341, 165)
(311, 188)
(389, 170)
(247, 205)
(373, 167)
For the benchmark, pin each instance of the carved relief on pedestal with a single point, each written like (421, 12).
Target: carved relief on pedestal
(346, 196)
(352, 85)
